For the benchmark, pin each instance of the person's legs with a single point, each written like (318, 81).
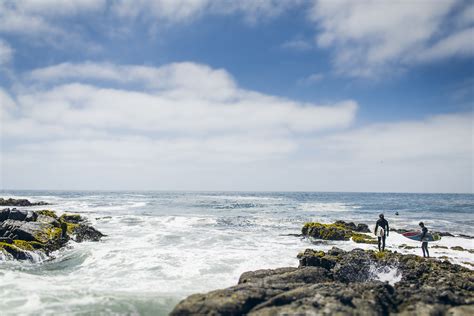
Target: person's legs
(379, 239)
(426, 248)
(383, 243)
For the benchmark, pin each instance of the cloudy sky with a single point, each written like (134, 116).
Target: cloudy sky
(283, 95)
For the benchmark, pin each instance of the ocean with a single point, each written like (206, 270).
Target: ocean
(162, 246)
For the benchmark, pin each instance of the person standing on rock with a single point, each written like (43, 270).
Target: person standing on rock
(383, 230)
(424, 243)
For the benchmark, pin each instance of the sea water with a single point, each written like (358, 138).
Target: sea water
(162, 246)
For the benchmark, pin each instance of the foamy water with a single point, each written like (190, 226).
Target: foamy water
(162, 247)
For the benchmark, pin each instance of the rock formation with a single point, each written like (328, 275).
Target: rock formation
(24, 232)
(344, 283)
(339, 230)
(20, 202)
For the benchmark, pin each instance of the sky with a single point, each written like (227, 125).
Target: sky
(249, 95)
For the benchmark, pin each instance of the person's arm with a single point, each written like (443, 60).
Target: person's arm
(388, 229)
(424, 231)
(376, 227)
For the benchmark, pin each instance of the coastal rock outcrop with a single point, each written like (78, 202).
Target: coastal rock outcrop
(344, 283)
(20, 202)
(339, 230)
(24, 232)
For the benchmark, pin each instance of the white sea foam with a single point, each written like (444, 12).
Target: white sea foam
(386, 274)
(326, 207)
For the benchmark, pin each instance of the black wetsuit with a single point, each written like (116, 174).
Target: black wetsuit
(382, 223)
(424, 244)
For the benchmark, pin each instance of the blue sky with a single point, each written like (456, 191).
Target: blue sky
(237, 95)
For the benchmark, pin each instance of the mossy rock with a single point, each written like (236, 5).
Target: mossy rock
(71, 218)
(48, 213)
(45, 232)
(336, 231)
(14, 251)
(326, 231)
(28, 245)
(363, 239)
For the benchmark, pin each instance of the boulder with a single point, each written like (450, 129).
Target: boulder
(326, 231)
(339, 230)
(22, 232)
(17, 215)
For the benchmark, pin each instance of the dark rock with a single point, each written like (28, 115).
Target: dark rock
(24, 231)
(72, 218)
(19, 202)
(4, 214)
(31, 216)
(86, 233)
(6, 240)
(343, 283)
(17, 215)
(363, 228)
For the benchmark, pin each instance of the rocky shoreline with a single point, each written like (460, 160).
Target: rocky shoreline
(24, 234)
(344, 283)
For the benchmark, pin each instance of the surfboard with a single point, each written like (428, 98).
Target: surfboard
(417, 236)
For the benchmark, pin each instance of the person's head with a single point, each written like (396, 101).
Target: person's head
(421, 224)
(381, 216)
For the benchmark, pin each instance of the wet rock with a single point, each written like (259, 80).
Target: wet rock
(326, 231)
(17, 215)
(361, 228)
(19, 202)
(86, 233)
(22, 232)
(339, 230)
(337, 282)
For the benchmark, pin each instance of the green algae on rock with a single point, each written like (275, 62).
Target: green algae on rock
(24, 232)
(363, 239)
(339, 230)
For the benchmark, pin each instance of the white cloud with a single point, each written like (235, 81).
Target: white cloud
(92, 130)
(184, 10)
(371, 36)
(190, 116)
(311, 79)
(180, 97)
(6, 52)
(461, 44)
(30, 17)
(430, 155)
(297, 45)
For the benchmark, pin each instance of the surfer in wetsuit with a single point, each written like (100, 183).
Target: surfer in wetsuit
(382, 232)
(424, 243)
